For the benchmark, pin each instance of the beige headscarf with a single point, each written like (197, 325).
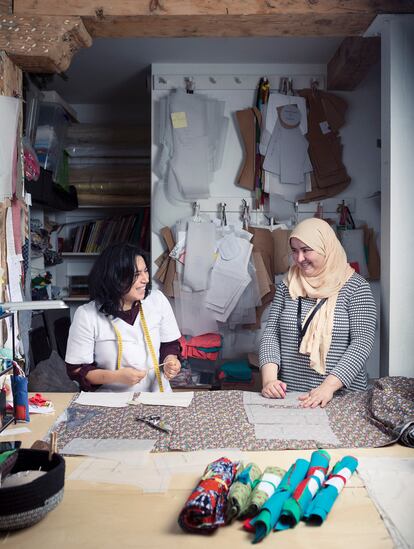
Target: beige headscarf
(318, 235)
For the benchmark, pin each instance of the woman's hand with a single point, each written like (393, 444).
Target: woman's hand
(172, 366)
(320, 396)
(129, 376)
(274, 389)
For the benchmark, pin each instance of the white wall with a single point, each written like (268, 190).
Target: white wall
(359, 138)
(397, 289)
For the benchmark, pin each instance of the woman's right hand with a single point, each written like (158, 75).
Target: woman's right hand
(274, 389)
(130, 376)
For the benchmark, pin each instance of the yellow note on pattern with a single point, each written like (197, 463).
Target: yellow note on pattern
(179, 120)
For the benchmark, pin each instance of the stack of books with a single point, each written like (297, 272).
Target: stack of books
(94, 236)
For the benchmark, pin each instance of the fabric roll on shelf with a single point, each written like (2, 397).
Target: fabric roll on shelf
(114, 187)
(93, 199)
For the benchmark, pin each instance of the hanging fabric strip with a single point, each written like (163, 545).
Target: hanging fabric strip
(150, 348)
(148, 342)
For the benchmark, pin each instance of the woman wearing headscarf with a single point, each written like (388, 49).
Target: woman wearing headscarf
(321, 324)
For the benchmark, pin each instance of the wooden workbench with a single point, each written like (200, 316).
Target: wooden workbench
(101, 516)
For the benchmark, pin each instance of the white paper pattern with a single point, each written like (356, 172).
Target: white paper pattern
(389, 482)
(109, 400)
(182, 399)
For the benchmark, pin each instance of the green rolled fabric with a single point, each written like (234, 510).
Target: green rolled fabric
(264, 489)
(241, 489)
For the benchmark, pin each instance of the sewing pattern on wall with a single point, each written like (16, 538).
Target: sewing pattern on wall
(221, 276)
(192, 133)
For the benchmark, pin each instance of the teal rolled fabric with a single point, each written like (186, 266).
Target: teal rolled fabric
(294, 508)
(266, 520)
(321, 505)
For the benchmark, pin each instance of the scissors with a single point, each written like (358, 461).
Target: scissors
(155, 421)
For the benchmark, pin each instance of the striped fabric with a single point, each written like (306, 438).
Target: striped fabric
(352, 338)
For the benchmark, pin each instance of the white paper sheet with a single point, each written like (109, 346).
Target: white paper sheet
(9, 116)
(290, 400)
(133, 451)
(109, 400)
(182, 399)
(15, 431)
(389, 482)
(155, 475)
(116, 472)
(287, 416)
(318, 433)
(193, 462)
(41, 409)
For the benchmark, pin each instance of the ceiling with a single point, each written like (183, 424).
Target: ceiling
(115, 69)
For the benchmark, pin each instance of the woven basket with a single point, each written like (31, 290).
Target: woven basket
(24, 505)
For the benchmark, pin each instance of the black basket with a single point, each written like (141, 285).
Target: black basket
(24, 505)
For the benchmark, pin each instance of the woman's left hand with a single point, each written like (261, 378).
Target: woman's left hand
(172, 366)
(320, 396)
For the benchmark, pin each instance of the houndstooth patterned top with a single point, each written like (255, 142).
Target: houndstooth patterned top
(352, 337)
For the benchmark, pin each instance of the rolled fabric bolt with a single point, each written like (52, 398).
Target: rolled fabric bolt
(241, 489)
(321, 505)
(294, 508)
(263, 490)
(204, 510)
(269, 514)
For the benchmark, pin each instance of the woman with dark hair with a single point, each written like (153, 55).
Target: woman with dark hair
(118, 341)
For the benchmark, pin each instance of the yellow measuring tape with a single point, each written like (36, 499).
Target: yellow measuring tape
(150, 346)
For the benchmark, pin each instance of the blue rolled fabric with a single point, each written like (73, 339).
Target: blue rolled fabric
(321, 505)
(269, 514)
(295, 507)
(20, 397)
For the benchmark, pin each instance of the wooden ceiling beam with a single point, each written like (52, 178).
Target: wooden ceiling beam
(352, 61)
(215, 18)
(225, 26)
(6, 7)
(167, 8)
(42, 44)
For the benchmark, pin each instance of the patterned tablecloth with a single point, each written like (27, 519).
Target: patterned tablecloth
(217, 419)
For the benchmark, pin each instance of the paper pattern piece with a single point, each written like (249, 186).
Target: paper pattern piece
(109, 400)
(116, 472)
(179, 120)
(152, 475)
(9, 116)
(16, 431)
(182, 400)
(133, 451)
(290, 400)
(284, 419)
(321, 434)
(389, 483)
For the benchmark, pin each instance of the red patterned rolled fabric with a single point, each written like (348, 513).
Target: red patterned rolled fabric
(204, 510)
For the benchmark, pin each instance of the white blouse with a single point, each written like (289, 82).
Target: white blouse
(92, 338)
